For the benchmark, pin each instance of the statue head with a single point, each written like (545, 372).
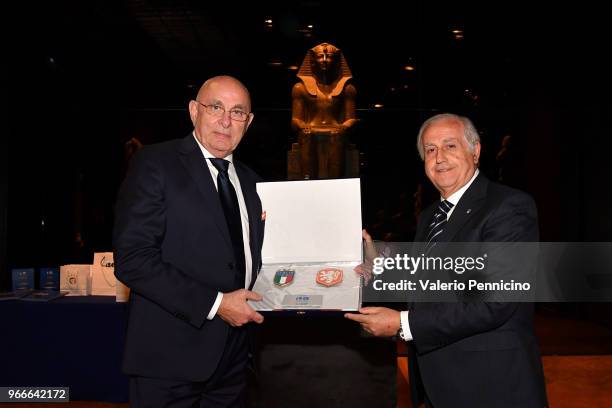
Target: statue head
(324, 63)
(324, 60)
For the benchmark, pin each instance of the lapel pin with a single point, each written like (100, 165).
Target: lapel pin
(469, 210)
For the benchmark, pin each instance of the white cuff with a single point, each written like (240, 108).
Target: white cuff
(215, 306)
(406, 334)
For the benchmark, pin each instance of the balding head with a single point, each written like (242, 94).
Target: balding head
(225, 81)
(220, 99)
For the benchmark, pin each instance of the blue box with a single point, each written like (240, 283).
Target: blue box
(23, 279)
(49, 278)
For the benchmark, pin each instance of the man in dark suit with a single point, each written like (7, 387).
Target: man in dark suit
(466, 354)
(188, 236)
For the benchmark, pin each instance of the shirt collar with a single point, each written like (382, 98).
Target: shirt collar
(456, 196)
(209, 155)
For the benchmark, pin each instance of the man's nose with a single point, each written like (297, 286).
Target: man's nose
(440, 155)
(225, 119)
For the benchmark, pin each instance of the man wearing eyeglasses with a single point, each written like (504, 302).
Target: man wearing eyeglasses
(188, 236)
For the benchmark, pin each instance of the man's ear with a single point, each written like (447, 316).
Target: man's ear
(193, 111)
(249, 120)
(476, 153)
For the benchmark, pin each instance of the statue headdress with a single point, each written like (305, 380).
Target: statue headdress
(306, 75)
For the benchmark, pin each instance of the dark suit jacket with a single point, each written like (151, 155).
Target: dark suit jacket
(173, 249)
(477, 354)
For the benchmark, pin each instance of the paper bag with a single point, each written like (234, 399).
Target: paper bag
(103, 281)
(75, 279)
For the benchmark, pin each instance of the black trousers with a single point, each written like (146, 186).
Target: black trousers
(226, 387)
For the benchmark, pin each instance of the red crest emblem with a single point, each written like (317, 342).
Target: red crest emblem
(329, 276)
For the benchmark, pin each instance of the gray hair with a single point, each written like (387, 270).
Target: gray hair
(469, 130)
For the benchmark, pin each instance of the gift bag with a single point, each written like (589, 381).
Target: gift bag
(103, 278)
(103, 281)
(75, 279)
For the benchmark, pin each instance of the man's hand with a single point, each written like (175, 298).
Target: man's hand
(370, 248)
(365, 269)
(235, 310)
(378, 321)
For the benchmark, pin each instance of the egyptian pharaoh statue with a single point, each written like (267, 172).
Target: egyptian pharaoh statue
(323, 112)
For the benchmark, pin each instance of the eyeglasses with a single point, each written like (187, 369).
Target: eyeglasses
(218, 111)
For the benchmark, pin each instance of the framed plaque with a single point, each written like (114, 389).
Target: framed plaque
(312, 244)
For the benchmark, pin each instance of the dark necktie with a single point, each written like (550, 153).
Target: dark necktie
(437, 224)
(229, 202)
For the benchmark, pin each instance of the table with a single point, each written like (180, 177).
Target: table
(74, 342)
(77, 342)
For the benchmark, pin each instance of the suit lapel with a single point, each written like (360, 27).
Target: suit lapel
(468, 205)
(195, 163)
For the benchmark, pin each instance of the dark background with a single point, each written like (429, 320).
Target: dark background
(85, 77)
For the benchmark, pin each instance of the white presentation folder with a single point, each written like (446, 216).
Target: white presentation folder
(310, 225)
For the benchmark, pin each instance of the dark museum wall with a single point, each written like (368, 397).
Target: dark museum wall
(86, 77)
(4, 103)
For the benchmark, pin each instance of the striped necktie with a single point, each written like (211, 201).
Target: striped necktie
(438, 222)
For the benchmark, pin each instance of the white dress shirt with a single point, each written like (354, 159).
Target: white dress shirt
(453, 199)
(244, 215)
